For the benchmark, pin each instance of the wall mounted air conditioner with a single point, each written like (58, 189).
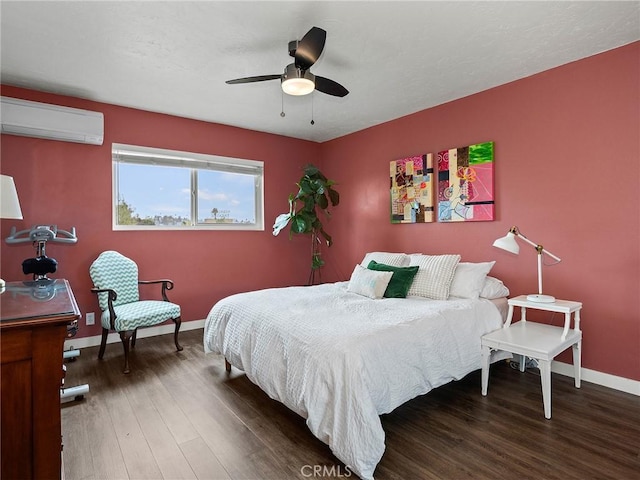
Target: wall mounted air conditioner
(41, 120)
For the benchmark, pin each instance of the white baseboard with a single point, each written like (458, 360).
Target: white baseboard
(75, 343)
(593, 376)
(606, 380)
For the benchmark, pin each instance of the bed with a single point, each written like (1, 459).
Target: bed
(341, 359)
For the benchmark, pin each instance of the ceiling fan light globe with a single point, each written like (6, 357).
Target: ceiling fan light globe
(297, 82)
(298, 86)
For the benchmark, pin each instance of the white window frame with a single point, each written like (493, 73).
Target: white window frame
(121, 153)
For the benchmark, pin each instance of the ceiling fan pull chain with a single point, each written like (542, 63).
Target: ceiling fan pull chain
(282, 111)
(312, 121)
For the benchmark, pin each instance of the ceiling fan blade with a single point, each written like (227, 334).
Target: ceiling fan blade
(328, 86)
(259, 78)
(310, 48)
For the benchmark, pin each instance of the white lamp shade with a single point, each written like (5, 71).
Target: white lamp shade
(508, 243)
(9, 203)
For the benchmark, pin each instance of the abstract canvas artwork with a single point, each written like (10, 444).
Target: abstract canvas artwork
(465, 184)
(412, 183)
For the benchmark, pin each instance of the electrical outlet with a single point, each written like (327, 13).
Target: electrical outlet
(90, 318)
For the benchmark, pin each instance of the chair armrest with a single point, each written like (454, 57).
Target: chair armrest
(111, 297)
(166, 285)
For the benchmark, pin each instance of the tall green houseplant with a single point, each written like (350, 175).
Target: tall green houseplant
(315, 195)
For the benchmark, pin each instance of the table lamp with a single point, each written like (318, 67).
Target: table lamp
(508, 243)
(9, 203)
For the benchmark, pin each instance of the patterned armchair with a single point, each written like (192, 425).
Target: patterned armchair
(115, 278)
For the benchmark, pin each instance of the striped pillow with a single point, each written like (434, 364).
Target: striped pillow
(434, 277)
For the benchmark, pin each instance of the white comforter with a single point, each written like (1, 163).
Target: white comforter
(340, 360)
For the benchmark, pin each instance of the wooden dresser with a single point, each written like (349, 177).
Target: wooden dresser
(33, 325)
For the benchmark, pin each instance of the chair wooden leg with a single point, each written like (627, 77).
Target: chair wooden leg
(103, 343)
(178, 322)
(126, 337)
(227, 366)
(133, 338)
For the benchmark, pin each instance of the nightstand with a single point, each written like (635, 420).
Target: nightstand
(536, 340)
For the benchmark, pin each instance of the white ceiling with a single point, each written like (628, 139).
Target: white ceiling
(395, 58)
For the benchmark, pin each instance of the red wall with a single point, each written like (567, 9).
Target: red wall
(567, 153)
(567, 167)
(70, 185)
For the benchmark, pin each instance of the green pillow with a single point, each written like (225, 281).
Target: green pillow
(400, 281)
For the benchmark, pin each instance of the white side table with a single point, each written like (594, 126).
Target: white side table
(536, 340)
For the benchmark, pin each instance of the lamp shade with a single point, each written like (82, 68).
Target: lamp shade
(9, 203)
(508, 243)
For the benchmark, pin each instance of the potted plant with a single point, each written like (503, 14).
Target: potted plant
(315, 195)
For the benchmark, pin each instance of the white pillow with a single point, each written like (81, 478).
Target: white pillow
(468, 279)
(434, 277)
(393, 259)
(493, 288)
(369, 283)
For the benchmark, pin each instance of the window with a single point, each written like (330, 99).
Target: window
(169, 190)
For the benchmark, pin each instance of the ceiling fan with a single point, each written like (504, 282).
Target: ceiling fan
(297, 79)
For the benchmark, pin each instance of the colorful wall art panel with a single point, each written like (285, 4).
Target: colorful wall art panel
(412, 189)
(465, 184)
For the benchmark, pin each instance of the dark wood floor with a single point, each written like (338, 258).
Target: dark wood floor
(178, 415)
